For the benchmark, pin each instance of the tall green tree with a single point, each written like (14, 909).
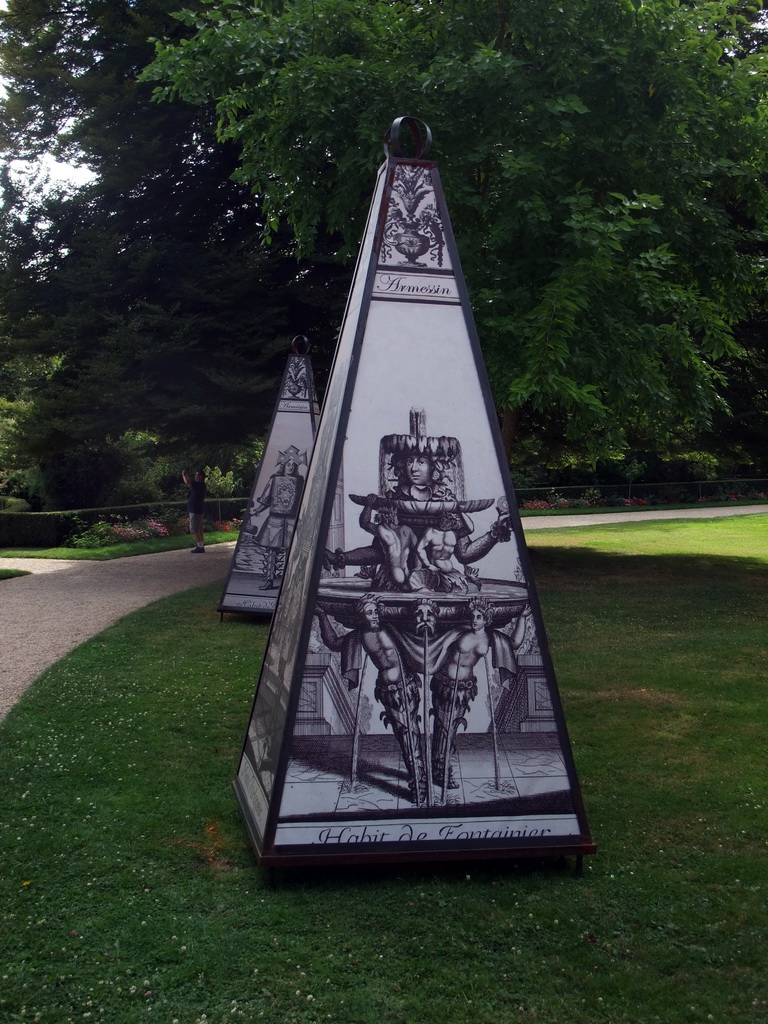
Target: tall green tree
(148, 289)
(604, 161)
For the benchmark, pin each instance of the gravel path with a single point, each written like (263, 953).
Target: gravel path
(599, 519)
(49, 613)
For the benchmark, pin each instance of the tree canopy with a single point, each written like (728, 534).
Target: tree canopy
(145, 299)
(604, 163)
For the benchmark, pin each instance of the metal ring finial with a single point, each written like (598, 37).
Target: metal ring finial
(300, 345)
(421, 137)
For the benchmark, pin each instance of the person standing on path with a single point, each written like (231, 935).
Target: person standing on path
(196, 507)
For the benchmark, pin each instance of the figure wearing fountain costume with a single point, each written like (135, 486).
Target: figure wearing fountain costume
(454, 685)
(419, 477)
(420, 480)
(396, 689)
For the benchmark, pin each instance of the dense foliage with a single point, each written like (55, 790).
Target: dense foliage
(605, 167)
(142, 302)
(604, 163)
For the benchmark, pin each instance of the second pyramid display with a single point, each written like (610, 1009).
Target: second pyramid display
(265, 536)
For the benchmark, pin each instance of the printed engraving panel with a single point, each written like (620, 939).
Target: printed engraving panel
(270, 518)
(407, 686)
(418, 641)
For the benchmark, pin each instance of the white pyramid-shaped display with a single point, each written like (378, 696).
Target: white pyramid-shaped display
(265, 536)
(407, 707)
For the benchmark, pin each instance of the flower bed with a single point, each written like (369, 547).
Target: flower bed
(103, 534)
(228, 525)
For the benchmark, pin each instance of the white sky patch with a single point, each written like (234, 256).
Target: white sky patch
(51, 173)
(46, 168)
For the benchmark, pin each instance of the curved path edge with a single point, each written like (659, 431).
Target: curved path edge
(63, 602)
(602, 518)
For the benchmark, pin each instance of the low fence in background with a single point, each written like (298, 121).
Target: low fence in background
(680, 492)
(53, 529)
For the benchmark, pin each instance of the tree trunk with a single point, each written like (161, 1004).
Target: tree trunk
(509, 421)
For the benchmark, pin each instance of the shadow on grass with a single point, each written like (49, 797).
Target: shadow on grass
(584, 567)
(363, 876)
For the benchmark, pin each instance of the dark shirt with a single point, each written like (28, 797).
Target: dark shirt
(196, 497)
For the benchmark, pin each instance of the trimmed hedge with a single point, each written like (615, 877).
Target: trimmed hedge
(53, 529)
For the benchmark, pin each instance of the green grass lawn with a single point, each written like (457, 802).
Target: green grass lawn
(134, 547)
(8, 574)
(129, 892)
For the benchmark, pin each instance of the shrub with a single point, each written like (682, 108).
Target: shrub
(14, 504)
(102, 534)
(35, 529)
(674, 494)
(121, 531)
(176, 524)
(53, 529)
(592, 496)
(97, 536)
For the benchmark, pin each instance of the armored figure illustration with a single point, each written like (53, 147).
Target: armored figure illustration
(282, 497)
